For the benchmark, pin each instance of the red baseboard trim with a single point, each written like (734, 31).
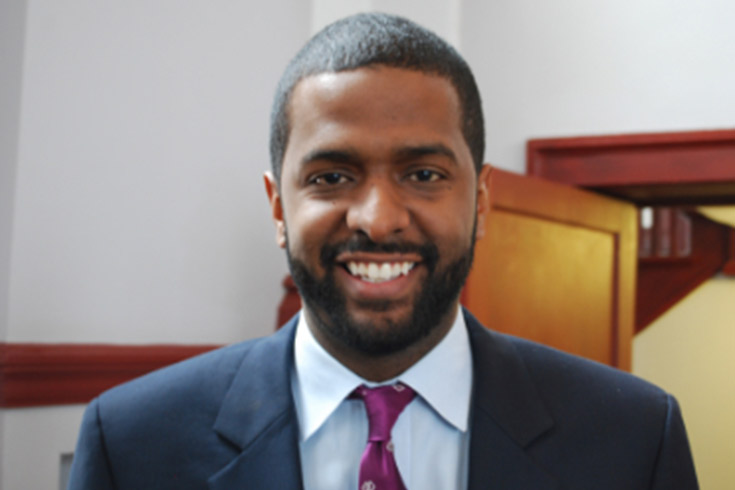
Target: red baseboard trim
(60, 374)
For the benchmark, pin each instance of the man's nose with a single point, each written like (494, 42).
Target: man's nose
(379, 211)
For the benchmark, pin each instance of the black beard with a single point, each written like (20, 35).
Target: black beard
(328, 305)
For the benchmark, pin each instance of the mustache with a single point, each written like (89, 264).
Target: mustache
(428, 252)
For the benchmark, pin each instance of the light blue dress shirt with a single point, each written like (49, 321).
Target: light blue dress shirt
(431, 436)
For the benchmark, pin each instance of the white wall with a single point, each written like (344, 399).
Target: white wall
(12, 23)
(36, 438)
(140, 214)
(582, 67)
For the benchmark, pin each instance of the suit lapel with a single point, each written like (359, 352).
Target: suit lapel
(507, 416)
(258, 417)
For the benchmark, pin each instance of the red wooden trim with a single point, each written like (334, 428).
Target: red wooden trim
(58, 374)
(663, 282)
(635, 159)
(729, 268)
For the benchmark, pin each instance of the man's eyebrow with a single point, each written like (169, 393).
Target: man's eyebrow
(413, 152)
(403, 154)
(331, 155)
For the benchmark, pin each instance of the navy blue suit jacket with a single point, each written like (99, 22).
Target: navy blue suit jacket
(540, 420)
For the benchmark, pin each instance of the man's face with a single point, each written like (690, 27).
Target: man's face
(377, 205)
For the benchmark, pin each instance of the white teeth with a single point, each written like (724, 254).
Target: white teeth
(353, 268)
(373, 271)
(386, 271)
(379, 272)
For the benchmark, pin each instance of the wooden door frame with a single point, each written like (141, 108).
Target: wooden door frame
(653, 169)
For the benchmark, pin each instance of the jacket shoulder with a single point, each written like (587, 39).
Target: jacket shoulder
(159, 430)
(585, 415)
(187, 394)
(199, 376)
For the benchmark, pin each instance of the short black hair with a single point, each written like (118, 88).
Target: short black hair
(369, 39)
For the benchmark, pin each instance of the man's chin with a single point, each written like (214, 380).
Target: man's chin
(375, 332)
(374, 309)
(380, 324)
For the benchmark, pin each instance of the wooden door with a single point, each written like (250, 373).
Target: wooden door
(557, 265)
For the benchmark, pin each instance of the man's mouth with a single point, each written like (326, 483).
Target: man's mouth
(379, 271)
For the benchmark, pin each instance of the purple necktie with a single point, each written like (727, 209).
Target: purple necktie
(378, 470)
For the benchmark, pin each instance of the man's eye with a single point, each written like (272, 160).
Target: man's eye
(425, 176)
(330, 178)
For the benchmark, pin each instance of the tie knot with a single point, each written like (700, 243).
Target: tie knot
(383, 405)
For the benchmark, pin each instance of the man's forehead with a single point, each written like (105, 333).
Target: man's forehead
(363, 88)
(331, 82)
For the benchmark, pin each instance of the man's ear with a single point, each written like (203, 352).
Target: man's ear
(483, 199)
(274, 197)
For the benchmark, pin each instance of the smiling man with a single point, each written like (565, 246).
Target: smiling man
(377, 204)
(378, 192)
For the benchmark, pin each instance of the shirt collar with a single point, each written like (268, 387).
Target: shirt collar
(443, 378)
